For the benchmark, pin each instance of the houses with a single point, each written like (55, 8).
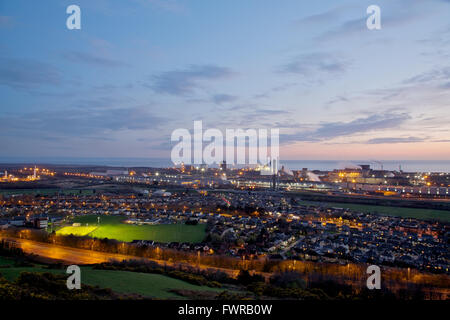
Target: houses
(3, 224)
(40, 222)
(260, 223)
(18, 221)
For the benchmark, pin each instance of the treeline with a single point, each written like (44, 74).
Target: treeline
(291, 285)
(251, 285)
(7, 249)
(355, 274)
(244, 209)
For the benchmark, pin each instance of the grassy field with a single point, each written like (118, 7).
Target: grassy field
(153, 285)
(78, 231)
(5, 261)
(111, 227)
(389, 211)
(145, 284)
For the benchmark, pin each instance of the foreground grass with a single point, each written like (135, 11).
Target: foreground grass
(417, 213)
(111, 227)
(12, 273)
(145, 284)
(6, 261)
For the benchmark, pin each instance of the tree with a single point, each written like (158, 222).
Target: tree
(289, 279)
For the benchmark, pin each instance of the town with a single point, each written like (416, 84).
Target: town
(247, 224)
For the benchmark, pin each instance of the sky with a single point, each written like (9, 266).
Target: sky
(139, 69)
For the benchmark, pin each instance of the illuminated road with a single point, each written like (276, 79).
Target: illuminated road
(81, 256)
(67, 254)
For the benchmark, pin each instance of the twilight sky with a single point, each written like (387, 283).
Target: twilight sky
(139, 69)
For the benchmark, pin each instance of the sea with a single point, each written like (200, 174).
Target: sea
(405, 165)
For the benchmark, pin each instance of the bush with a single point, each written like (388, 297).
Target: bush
(288, 279)
(332, 288)
(246, 278)
(257, 288)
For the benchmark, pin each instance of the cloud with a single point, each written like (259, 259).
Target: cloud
(429, 88)
(446, 86)
(86, 58)
(276, 89)
(182, 82)
(436, 43)
(100, 102)
(112, 87)
(270, 112)
(370, 123)
(338, 99)
(27, 74)
(391, 140)
(393, 14)
(441, 74)
(101, 46)
(72, 122)
(249, 116)
(425, 88)
(283, 87)
(323, 17)
(347, 28)
(330, 130)
(315, 67)
(223, 98)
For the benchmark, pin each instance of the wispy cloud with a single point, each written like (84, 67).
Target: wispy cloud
(394, 14)
(94, 121)
(250, 116)
(347, 28)
(316, 67)
(27, 74)
(87, 58)
(223, 98)
(391, 140)
(323, 17)
(430, 77)
(182, 82)
(330, 130)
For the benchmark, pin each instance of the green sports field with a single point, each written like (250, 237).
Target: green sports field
(111, 227)
(80, 231)
(416, 213)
